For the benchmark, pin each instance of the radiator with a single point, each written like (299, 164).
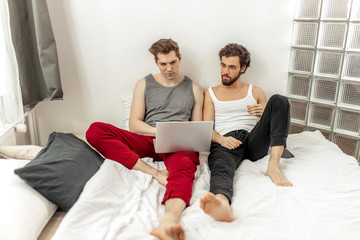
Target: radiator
(23, 134)
(8, 137)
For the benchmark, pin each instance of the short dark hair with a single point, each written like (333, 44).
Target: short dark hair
(233, 50)
(164, 46)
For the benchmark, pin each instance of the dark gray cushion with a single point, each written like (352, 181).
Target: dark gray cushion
(60, 171)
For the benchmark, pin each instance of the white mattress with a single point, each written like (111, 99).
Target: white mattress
(323, 204)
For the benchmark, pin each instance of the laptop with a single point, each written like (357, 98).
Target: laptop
(183, 136)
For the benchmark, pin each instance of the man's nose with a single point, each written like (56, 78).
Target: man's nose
(226, 70)
(168, 67)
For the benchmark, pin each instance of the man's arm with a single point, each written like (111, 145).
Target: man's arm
(196, 114)
(209, 115)
(137, 112)
(258, 109)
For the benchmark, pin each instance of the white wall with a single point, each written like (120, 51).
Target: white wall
(103, 50)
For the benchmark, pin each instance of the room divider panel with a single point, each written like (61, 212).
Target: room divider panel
(324, 71)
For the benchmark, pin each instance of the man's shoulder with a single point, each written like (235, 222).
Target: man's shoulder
(217, 87)
(187, 78)
(257, 88)
(196, 86)
(147, 77)
(213, 89)
(140, 84)
(258, 93)
(141, 81)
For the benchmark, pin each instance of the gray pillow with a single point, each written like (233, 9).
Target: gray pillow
(60, 171)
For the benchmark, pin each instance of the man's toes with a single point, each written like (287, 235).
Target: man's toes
(286, 184)
(181, 236)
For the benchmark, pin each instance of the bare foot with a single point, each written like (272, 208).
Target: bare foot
(277, 177)
(169, 229)
(217, 207)
(161, 176)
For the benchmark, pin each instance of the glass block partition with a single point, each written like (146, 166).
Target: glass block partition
(324, 71)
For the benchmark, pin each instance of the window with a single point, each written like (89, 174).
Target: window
(324, 71)
(11, 109)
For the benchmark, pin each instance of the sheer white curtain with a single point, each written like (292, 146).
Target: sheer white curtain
(11, 107)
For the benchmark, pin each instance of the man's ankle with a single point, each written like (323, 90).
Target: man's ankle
(223, 198)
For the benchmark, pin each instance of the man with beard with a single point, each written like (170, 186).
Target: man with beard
(166, 96)
(246, 125)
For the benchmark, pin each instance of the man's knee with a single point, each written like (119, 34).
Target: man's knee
(94, 131)
(279, 100)
(189, 157)
(183, 163)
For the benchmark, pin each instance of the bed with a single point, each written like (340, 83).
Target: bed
(323, 204)
(117, 203)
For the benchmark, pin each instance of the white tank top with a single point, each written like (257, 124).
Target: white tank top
(233, 115)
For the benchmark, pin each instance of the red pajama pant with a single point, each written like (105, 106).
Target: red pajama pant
(126, 148)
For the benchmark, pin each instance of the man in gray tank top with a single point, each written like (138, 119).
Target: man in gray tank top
(166, 96)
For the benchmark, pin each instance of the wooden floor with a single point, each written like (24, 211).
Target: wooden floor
(52, 225)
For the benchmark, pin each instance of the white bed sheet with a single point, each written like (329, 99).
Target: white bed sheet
(323, 204)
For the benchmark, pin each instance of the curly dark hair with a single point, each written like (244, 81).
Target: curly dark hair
(164, 46)
(233, 50)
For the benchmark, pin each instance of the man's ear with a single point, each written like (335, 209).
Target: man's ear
(180, 57)
(243, 69)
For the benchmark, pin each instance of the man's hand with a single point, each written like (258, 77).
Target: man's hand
(230, 142)
(255, 109)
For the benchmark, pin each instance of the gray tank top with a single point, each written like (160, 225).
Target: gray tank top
(167, 104)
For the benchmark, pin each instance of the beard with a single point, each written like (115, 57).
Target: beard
(230, 81)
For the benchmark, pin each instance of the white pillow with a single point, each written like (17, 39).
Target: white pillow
(24, 212)
(126, 105)
(28, 152)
